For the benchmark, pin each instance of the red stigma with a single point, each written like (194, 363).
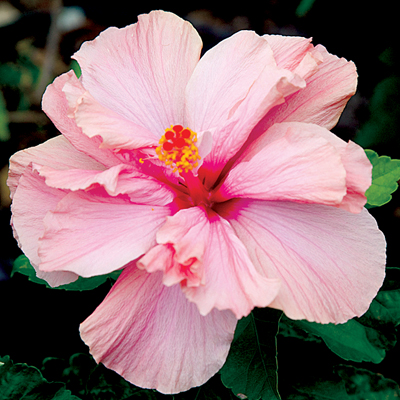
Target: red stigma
(167, 146)
(185, 134)
(169, 135)
(180, 142)
(178, 128)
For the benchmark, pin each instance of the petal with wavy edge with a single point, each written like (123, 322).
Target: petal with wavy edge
(120, 179)
(231, 281)
(356, 163)
(322, 101)
(183, 239)
(289, 51)
(297, 166)
(140, 72)
(55, 105)
(31, 202)
(157, 339)
(231, 90)
(331, 262)
(94, 119)
(104, 232)
(56, 152)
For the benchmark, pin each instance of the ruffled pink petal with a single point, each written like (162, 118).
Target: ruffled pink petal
(104, 233)
(289, 51)
(183, 240)
(56, 152)
(140, 72)
(234, 85)
(230, 280)
(94, 119)
(157, 339)
(322, 101)
(120, 179)
(31, 202)
(54, 104)
(356, 163)
(297, 166)
(331, 262)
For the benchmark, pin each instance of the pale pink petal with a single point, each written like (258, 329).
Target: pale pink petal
(152, 336)
(93, 234)
(331, 262)
(289, 51)
(56, 152)
(116, 132)
(356, 163)
(227, 71)
(322, 101)
(297, 166)
(234, 85)
(31, 202)
(54, 104)
(358, 177)
(140, 72)
(120, 179)
(230, 280)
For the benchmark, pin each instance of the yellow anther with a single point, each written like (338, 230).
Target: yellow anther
(177, 149)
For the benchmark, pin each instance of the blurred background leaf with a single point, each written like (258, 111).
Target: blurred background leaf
(4, 131)
(304, 7)
(20, 381)
(367, 35)
(349, 383)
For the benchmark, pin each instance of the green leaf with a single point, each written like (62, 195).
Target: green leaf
(383, 125)
(349, 341)
(211, 390)
(362, 384)
(10, 75)
(349, 383)
(366, 338)
(304, 7)
(251, 366)
(385, 174)
(76, 68)
(4, 132)
(23, 266)
(322, 390)
(23, 382)
(93, 381)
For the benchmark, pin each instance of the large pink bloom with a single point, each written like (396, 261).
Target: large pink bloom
(214, 182)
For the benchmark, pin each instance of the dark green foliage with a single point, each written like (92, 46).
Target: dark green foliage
(22, 382)
(23, 266)
(251, 367)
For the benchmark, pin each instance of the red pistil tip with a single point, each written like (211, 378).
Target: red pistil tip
(167, 146)
(180, 142)
(169, 135)
(177, 128)
(185, 133)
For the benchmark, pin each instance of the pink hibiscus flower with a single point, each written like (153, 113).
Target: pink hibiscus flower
(214, 183)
